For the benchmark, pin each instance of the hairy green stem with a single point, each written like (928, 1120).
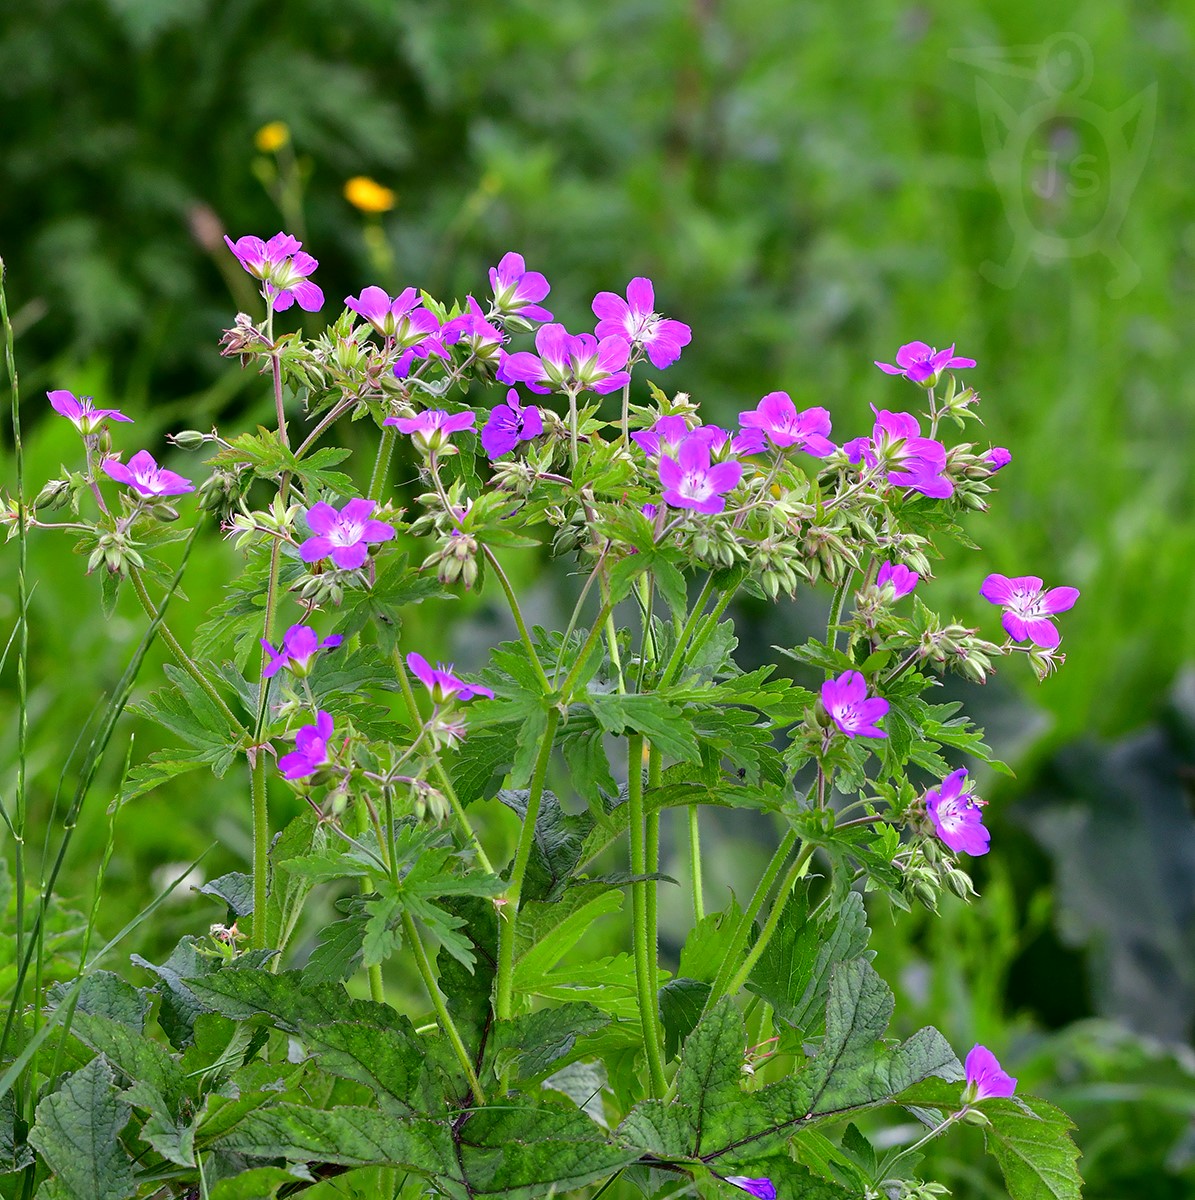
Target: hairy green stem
(279, 407)
(652, 849)
(509, 912)
(377, 990)
(739, 938)
(838, 604)
(16, 819)
(328, 419)
(676, 659)
(649, 1013)
(515, 611)
(695, 863)
(381, 464)
(437, 999)
(183, 659)
(800, 865)
(594, 633)
(261, 848)
(257, 753)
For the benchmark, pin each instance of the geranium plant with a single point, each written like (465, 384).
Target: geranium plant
(751, 1063)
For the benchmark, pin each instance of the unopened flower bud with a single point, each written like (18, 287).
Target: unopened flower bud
(164, 512)
(189, 439)
(56, 494)
(974, 1117)
(959, 882)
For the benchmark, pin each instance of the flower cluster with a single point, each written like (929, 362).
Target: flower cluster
(283, 268)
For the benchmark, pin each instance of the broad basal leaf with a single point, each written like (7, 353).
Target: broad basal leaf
(77, 1133)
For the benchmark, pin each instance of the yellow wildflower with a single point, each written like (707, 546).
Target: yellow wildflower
(272, 137)
(368, 195)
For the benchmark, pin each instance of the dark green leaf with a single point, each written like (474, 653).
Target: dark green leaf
(15, 1152)
(349, 1136)
(559, 838)
(1034, 1149)
(77, 1133)
(793, 973)
(235, 889)
(337, 954)
(105, 994)
(532, 1045)
(681, 1004)
(664, 725)
(517, 1152)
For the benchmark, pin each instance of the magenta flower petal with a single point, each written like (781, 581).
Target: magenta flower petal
(1042, 632)
(443, 685)
(1028, 607)
(997, 589)
(899, 578)
(1059, 599)
(921, 363)
(956, 816)
(321, 517)
(343, 536)
(845, 700)
(315, 548)
(762, 1188)
(641, 295)
(986, 1079)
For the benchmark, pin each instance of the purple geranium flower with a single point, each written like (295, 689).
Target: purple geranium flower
(899, 577)
(634, 320)
(1028, 607)
(922, 364)
(282, 267)
(300, 644)
(664, 437)
(908, 460)
(145, 477)
(568, 362)
(691, 482)
(442, 683)
(986, 1079)
(998, 458)
(432, 428)
(957, 815)
(517, 291)
(777, 417)
(762, 1188)
(850, 708)
(404, 318)
(471, 327)
(510, 423)
(343, 536)
(83, 414)
(311, 749)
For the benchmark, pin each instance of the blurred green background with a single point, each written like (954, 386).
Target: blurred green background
(809, 185)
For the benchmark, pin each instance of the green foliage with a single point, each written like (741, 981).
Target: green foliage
(77, 1133)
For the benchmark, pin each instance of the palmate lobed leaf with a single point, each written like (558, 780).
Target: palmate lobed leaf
(716, 1118)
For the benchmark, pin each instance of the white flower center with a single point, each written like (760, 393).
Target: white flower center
(345, 533)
